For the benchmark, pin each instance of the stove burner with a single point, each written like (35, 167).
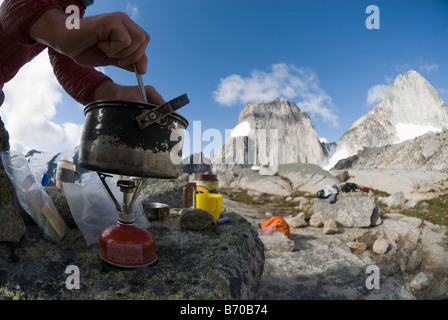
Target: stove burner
(124, 244)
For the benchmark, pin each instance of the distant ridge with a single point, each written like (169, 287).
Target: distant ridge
(409, 108)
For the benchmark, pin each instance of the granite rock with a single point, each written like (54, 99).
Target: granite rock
(223, 262)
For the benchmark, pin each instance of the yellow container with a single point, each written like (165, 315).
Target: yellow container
(206, 183)
(210, 202)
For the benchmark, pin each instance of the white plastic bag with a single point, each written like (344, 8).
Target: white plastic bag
(32, 196)
(93, 209)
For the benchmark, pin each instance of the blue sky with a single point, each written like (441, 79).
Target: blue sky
(317, 54)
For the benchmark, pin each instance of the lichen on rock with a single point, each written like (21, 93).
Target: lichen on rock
(220, 262)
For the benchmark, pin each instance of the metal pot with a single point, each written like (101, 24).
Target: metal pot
(115, 141)
(156, 211)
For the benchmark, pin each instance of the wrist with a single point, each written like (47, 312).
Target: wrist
(39, 31)
(70, 42)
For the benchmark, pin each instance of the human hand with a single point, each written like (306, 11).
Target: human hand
(107, 39)
(112, 91)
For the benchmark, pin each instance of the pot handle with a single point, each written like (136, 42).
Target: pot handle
(149, 117)
(185, 196)
(102, 177)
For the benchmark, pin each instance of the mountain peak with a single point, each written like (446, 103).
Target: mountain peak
(410, 78)
(407, 109)
(297, 138)
(412, 99)
(277, 109)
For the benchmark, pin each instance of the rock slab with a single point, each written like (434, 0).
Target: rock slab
(221, 262)
(354, 209)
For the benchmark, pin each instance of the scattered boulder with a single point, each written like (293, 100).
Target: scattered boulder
(344, 176)
(396, 200)
(380, 246)
(195, 219)
(296, 222)
(330, 227)
(315, 222)
(354, 209)
(430, 149)
(357, 245)
(277, 241)
(412, 204)
(419, 282)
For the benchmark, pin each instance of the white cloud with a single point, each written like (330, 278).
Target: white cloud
(283, 81)
(375, 93)
(132, 10)
(230, 90)
(32, 98)
(419, 65)
(73, 133)
(428, 68)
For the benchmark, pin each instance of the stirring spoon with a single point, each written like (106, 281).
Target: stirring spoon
(140, 84)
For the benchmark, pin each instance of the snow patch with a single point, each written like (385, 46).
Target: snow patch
(408, 131)
(39, 162)
(241, 130)
(339, 155)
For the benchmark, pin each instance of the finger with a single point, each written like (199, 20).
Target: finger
(123, 37)
(142, 66)
(94, 57)
(137, 56)
(153, 96)
(140, 40)
(116, 40)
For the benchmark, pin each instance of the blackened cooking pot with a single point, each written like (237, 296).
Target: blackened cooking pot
(113, 141)
(156, 211)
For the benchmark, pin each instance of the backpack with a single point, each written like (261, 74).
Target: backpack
(320, 194)
(349, 187)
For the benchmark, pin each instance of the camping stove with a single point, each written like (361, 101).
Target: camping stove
(124, 244)
(131, 138)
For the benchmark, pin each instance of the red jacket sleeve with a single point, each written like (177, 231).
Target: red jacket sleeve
(16, 19)
(18, 16)
(78, 81)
